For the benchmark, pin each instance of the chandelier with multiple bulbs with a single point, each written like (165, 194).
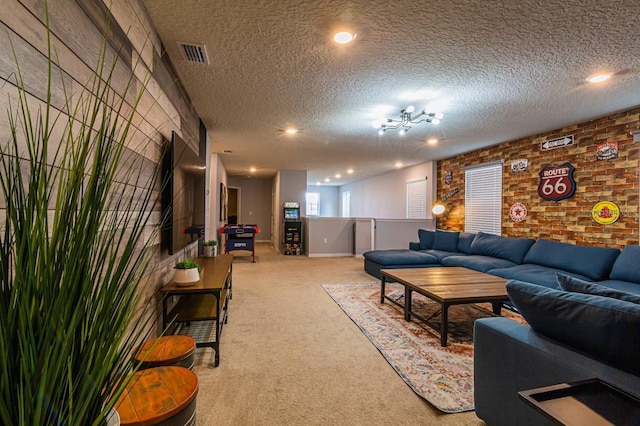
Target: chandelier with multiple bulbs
(407, 120)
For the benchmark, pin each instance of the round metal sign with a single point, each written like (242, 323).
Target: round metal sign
(518, 212)
(605, 212)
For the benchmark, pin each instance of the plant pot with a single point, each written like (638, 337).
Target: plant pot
(113, 418)
(209, 251)
(186, 277)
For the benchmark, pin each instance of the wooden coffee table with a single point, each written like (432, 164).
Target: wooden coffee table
(446, 286)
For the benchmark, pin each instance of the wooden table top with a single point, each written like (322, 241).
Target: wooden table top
(448, 284)
(167, 349)
(156, 394)
(212, 276)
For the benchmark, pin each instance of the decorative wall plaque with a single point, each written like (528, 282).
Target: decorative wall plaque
(605, 212)
(519, 165)
(518, 212)
(448, 177)
(607, 151)
(556, 182)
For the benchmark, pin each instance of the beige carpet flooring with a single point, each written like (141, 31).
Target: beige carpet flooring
(290, 356)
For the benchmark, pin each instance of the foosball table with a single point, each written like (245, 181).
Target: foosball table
(240, 237)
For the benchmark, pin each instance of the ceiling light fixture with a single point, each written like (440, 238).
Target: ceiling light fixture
(598, 78)
(344, 37)
(406, 120)
(291, 131)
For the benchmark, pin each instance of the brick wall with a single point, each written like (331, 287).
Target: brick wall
(567, 220)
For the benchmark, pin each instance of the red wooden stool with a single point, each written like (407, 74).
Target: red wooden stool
(167, 350)
(159, 396)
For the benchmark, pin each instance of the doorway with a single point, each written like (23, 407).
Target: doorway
(233, 197)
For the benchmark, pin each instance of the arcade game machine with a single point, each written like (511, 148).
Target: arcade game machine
(292, 229)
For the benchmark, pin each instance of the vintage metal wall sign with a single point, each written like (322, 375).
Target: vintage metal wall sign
(556, 182)
(450, 194)
(607, 151)
(519, 165)
(605, 212)
(556, 143)
(448, 177)
(518, 212)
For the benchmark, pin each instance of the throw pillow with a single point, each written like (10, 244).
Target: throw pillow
(601, 327)
(626, 266)
(464, 242)
(426, 239)
(575, 285)
(446, 241)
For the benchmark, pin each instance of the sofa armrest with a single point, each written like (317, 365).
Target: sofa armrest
(510, 357)
(414, 245)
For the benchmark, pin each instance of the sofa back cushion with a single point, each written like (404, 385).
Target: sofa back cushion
(512, 249)
(575, 285)
(592, 262)
(464, 242)
(446, 241)
(602, 327)
(426, 239)
(627, 265)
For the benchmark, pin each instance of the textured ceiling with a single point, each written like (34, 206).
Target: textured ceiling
(498, 70)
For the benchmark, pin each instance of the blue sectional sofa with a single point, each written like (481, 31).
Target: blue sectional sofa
(582, 305)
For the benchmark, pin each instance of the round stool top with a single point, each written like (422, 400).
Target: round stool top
(156, 394)
(166, 349)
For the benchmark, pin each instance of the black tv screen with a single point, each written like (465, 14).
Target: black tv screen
(183, 195)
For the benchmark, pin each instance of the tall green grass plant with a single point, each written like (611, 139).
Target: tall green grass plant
(75, 243)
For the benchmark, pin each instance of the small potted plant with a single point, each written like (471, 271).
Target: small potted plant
(187, 273)
(209, 247)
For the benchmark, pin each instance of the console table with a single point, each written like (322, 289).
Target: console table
(201, 309)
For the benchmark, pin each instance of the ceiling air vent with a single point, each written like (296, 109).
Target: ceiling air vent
(194, 52)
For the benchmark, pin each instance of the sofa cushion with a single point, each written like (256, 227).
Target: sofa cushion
(627, 265)
(477, 263)
(464, 242)
(593, 262)
(399, 257)
(441, 254)
(513, 249)
(535, 274)
(446, 241)
(602, 327)
(626, 286)
(575, 285)
(426, 239)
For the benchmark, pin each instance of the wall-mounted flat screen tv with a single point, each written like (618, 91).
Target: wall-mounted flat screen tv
(183, 195)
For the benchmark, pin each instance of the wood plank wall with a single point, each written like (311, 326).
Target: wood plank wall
(77, 30)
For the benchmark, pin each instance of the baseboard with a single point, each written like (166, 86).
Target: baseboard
(331, 255)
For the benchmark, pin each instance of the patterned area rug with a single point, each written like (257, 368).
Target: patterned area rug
(442, 376)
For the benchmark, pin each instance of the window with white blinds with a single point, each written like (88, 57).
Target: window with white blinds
(417, 199)
(483, 198)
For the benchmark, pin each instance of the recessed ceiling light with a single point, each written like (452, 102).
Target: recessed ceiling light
(598, 78)
(350, 171)
(327, 180)
(344, 37)
(432, 141)
(338, 176)
(252, 169)
(399, 164)
(291, 131)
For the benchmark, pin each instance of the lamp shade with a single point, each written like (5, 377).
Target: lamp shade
(437, 209)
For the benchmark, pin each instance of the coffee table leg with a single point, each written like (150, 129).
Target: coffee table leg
(444, 324)
(407, 303)
(382, 285)
(497, 307)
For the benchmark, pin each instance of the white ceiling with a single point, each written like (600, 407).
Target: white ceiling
(499, 70)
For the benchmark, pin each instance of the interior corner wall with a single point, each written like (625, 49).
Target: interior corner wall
(568, 220)
(385, 196)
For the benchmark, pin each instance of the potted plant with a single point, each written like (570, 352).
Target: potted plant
(209, 247)
(75, 243)
(187, 273)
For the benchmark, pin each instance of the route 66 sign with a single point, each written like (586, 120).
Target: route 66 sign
(556, 182)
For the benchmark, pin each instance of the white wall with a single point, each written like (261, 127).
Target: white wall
(328, 199)
(384, 196)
